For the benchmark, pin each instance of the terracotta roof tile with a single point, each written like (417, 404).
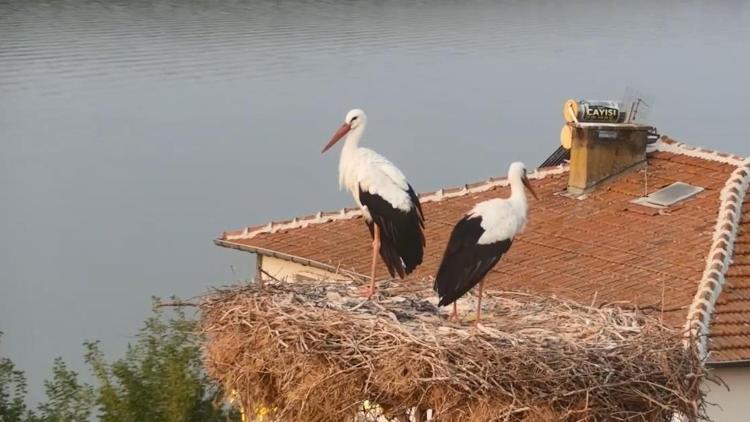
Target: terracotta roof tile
(601, 248)
(730, 327)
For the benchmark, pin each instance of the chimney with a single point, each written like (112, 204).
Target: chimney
(599, 151)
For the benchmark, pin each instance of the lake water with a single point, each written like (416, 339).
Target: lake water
(133, 132)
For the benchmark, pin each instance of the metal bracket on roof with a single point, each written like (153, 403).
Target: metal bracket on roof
(579, 197)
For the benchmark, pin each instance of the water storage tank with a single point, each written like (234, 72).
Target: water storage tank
(594, 111)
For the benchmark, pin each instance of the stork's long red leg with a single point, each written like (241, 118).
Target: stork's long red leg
(375, 248)
(479, 302)
(454, 315)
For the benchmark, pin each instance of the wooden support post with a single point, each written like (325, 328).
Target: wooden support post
(259, 270)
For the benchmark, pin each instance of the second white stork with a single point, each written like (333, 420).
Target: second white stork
(391, 208)
(480, 239)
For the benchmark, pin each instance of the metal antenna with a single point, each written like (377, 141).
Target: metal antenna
(638, 104)
(634, 109)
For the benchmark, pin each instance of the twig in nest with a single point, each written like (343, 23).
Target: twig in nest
(176, 304)
(262, 271)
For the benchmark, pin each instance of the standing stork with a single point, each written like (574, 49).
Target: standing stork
(479, 239)
(391, 208)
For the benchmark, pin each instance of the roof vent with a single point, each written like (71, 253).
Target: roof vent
(670, 195)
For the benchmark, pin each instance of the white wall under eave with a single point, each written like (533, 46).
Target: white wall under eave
(731, 405)
(286, 270)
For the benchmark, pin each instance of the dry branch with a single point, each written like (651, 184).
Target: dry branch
(315, 352)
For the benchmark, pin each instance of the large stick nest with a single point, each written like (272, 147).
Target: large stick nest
(316, 352)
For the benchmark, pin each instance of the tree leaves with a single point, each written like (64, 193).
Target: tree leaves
(159, 378)
(12, 392)
(67, 399)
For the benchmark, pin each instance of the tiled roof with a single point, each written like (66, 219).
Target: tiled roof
(598, 249)
(730, 317)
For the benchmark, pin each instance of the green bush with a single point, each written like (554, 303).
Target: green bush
(159, 379)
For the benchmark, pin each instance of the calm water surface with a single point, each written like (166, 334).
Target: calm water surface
(134, 132)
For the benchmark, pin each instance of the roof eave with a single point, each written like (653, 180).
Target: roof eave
(742, 363)
(287, 257)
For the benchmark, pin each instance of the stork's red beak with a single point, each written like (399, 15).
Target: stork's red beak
(526, 183)
(343, 130)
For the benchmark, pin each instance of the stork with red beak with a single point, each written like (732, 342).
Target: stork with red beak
(391, 208)
(480, 239)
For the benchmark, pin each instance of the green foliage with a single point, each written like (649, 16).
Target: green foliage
(67, 399)
(159, 379)
(12, 392)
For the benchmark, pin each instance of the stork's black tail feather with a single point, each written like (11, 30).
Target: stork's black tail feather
(402, 238)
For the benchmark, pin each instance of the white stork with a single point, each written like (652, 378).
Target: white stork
(391, 208)
(479, 239)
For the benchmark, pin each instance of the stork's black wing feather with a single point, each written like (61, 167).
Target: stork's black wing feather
(401, 232)
(466, 262)
(415, 201)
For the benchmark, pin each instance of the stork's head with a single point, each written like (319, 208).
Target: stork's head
(354, 119)
(517, 172)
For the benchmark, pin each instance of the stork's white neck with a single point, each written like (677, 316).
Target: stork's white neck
(353, 138)
(518, 195)
(347, 162)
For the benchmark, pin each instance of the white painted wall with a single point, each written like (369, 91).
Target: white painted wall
(287, 270)
(732, 405)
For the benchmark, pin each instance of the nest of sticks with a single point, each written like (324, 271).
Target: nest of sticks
(312, 351)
